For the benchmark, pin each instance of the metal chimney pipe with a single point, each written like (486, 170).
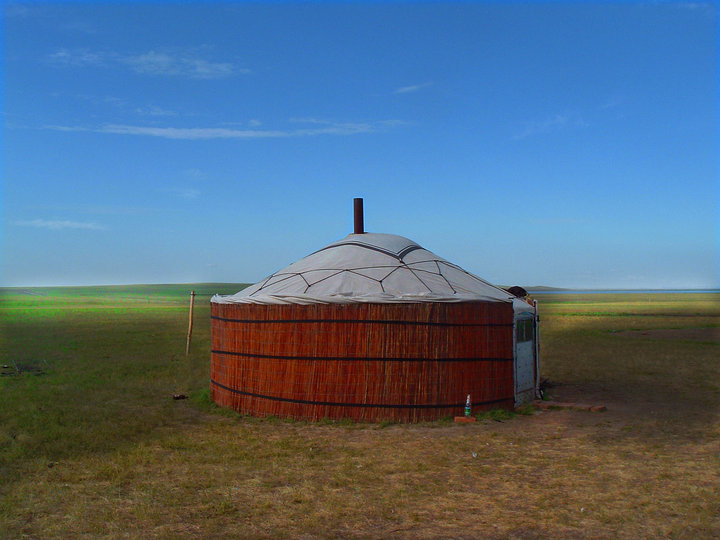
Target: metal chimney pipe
(358, 212)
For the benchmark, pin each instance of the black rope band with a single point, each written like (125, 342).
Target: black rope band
(358, 358)
(362, 321)
(364, 405)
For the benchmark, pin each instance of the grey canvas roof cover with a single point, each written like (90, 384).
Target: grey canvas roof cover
(370, 267)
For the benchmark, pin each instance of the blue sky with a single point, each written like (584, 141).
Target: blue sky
(563, 144)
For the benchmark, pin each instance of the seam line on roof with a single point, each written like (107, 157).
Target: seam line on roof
(390, 273)
(288, 276)
(406, 267)
(446, 279)
(359, 271)
(481, 280)
(418, 277)
(363, 275)
(326, 277)
(264, 282)
(306, 283)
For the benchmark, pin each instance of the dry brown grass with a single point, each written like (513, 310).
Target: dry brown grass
(648, 467)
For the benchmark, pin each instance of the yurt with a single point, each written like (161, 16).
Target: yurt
(372, 327)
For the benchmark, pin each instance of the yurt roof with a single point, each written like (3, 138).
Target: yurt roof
(369, 267)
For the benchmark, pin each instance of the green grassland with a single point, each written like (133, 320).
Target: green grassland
(92, 443)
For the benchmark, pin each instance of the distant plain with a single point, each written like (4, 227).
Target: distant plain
(92, 443)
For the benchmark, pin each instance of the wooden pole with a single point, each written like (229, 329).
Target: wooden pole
(190, 324)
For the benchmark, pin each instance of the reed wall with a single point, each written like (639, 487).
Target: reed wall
(368, 362)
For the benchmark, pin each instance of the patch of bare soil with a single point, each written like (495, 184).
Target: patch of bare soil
(682, 334)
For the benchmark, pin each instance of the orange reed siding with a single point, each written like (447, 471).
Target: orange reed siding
(369, 362)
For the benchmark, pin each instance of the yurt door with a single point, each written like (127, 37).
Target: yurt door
(524, 360)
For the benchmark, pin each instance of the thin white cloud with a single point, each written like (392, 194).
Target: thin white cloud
(704, 8)
(157, 63)
(100, 209)
(189, 133)
(252, 123)
(160, 63)
(153, 110)
(77, 58)
(360, 126)
(195, 174)
(59, 224)
(309, 120)
(550, 124)
(113, 101)
(48, 17)
(611, 103)
(16, 9)
(411, 88)
(320, 127)
(557, 221)
(67, 128)
(342, 128)
(79, 26)
(122, 104)
(183, 193)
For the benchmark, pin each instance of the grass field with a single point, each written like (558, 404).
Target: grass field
(92, 443)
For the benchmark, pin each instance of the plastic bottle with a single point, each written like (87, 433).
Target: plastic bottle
(468, 405)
